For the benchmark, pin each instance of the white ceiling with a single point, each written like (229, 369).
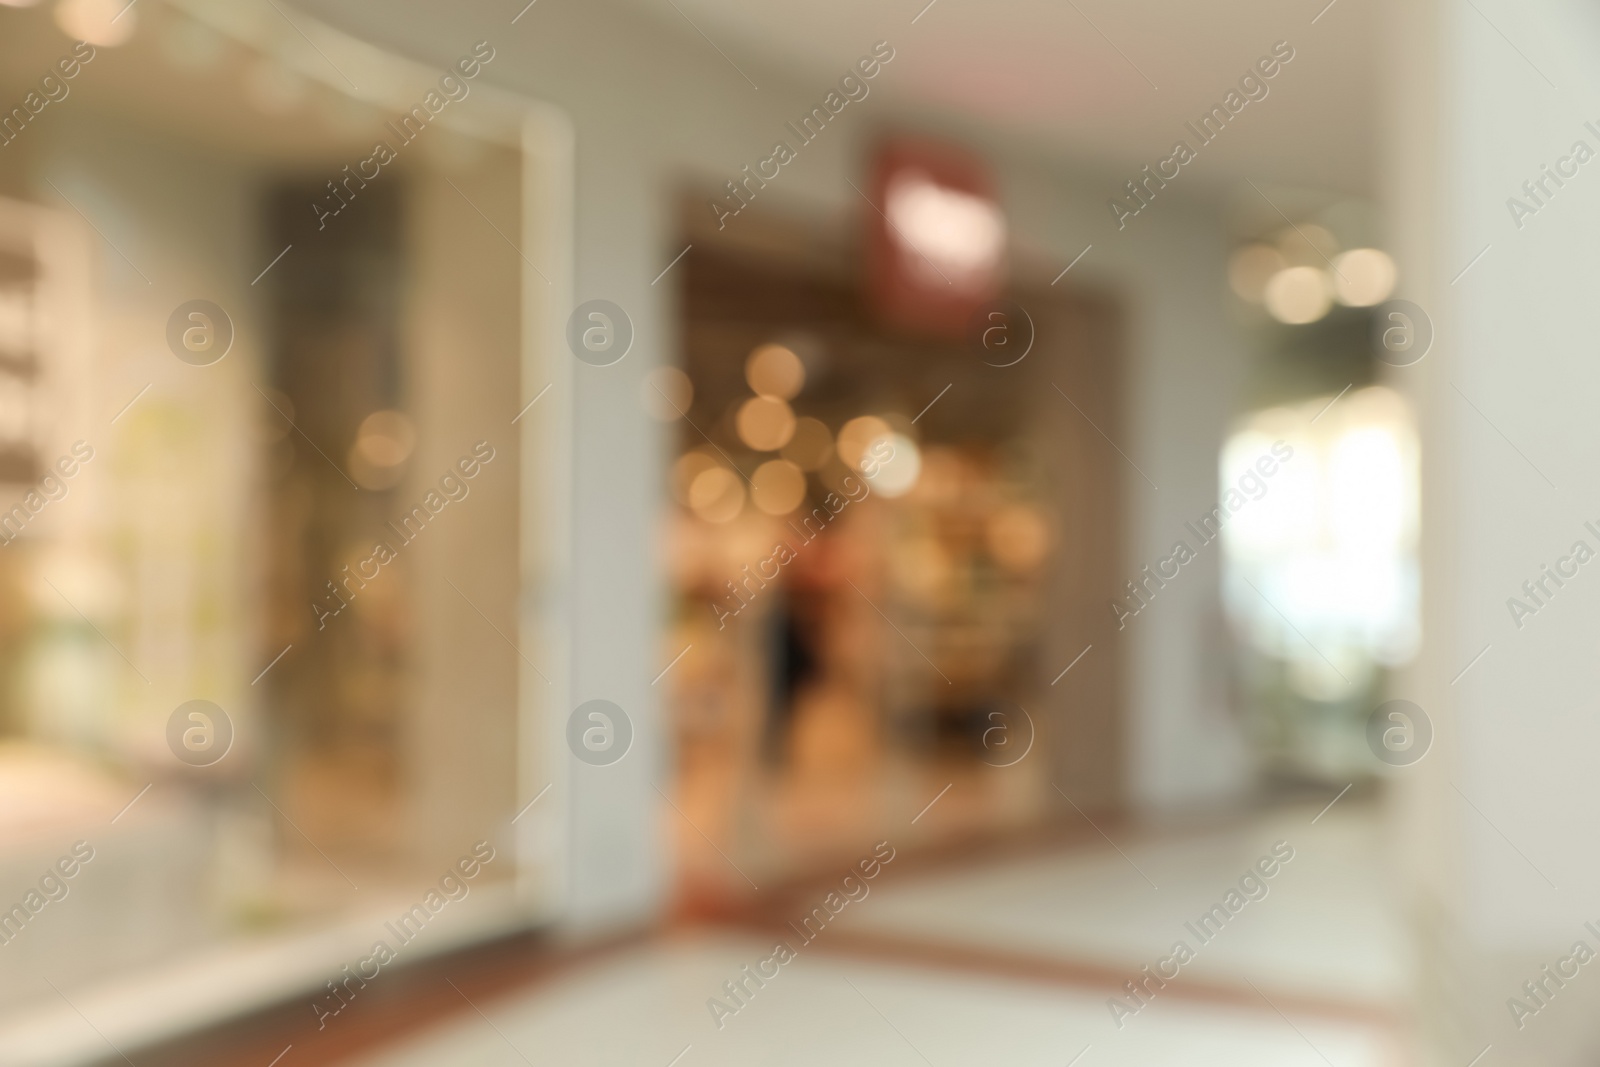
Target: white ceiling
(1071, 78)
(1046, 69)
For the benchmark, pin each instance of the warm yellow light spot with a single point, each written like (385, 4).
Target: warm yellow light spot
(717, 495)
(1363, 277)
(780, 486)
(856, 435)
(1299, 295)
(689, 466)
(775, 371)
(765, 423)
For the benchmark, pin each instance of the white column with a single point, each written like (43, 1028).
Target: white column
(1496, 822)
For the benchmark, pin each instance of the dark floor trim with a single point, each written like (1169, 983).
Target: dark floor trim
(393, 1006)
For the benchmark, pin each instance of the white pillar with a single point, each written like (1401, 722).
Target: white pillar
(1496, 822)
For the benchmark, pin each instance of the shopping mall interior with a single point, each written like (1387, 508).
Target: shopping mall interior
(680, 532)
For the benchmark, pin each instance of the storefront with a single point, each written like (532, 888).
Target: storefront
(265, 650)
(879, 538)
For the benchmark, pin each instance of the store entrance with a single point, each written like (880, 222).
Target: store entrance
(884, 549)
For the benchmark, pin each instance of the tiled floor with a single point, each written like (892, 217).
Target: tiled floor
(649, 1007)
(1326, 929)
(1329, 925)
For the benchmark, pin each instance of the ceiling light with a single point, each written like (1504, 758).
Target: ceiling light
(1363, 277)
(103, 23)
(1298, 295)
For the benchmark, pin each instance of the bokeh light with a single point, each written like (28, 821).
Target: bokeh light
(103, 23)
(775, 371)
(765, 423)
(717, 495)
(1299, 295)
(386, 438)
(383, 443)
(898, 474)
(856, 435)
(780, 486)
(688, 467)
(1363, 277)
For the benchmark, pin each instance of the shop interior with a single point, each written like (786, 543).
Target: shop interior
(876, 583)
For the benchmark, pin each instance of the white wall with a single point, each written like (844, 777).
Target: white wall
(654, 108)
(1182, 388)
